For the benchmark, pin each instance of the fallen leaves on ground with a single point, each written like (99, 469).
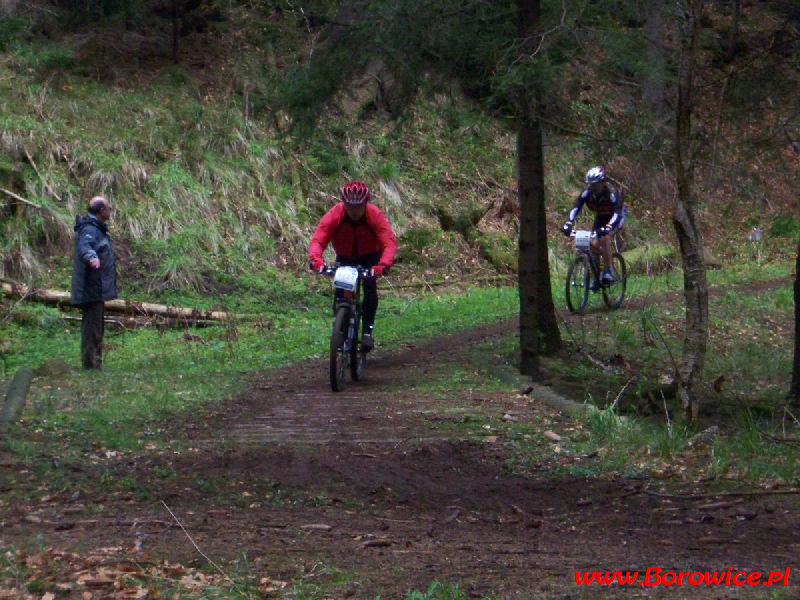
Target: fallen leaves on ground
(108, 573)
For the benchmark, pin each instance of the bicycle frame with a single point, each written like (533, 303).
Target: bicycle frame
(583, 246)
(347, 282)
(345, 349)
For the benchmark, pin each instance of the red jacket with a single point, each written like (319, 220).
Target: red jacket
(353, 240)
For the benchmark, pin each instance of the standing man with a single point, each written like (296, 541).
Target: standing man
(94, 278)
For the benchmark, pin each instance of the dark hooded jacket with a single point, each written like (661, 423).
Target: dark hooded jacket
(92, 241)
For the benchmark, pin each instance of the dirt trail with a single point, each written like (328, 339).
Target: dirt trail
(407, 503)
(376, 484)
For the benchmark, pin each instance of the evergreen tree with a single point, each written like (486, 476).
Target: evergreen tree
(538, 327)
(170, 19)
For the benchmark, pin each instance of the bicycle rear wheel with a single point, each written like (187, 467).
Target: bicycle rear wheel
(339, 358)
(614, 294)
(577, 290)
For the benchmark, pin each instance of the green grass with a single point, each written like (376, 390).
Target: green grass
(607, 444)
(153, 374)
(206, 200)
(439, 590)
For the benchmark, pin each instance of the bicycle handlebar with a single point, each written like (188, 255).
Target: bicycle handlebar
(330, 271)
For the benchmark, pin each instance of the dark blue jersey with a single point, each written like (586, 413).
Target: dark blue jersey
(607, 204)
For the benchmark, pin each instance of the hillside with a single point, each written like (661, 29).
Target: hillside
(214, 194)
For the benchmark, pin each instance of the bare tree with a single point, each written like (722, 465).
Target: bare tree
(686, 221)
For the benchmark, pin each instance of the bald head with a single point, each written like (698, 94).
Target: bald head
(100, 208)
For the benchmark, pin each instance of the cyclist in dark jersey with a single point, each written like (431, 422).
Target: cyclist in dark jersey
(603, 199)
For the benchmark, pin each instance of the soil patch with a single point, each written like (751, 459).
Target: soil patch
(372, 492)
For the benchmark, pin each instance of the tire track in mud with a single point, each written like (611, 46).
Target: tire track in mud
(294, 405)
(385, 408)
(350, 418)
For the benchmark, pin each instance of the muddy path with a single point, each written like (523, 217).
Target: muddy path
(385, 487)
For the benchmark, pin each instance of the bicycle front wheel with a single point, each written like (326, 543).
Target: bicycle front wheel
(358, 359)
(614, 294)
(339, 357)
(577, 290)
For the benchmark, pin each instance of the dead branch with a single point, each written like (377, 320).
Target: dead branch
(19, 198)
(215, 565)
(781, 440)
(621, 392)
(722, 494)
(35, 168)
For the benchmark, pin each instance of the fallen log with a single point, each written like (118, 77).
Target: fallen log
(121, 306)
(651, 259)
(145, 321)
(658, 258)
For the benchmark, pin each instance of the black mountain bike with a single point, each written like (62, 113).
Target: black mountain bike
(586, 268)
(346, 352)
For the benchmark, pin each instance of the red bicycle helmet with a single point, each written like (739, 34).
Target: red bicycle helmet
(355, 193)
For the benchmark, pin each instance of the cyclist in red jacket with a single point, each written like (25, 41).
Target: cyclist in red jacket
(361, 237)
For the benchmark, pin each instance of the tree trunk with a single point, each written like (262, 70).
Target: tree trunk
(685, 221)
(733, 34)
(794, 390)
(695, 289)
(539, 333)
(175, 31)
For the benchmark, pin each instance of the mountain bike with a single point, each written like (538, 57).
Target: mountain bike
(587, 265)
(345, 351)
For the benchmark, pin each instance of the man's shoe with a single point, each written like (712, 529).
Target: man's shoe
(607, 278)
(367, 343)
(594, 285)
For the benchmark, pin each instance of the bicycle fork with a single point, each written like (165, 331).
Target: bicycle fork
(594, 267)
(349, 338)
(351, 334)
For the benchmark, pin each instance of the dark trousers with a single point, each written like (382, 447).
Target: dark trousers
(92, 328)
(369, 306)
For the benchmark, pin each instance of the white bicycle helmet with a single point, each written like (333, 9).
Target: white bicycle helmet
(595, 175)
